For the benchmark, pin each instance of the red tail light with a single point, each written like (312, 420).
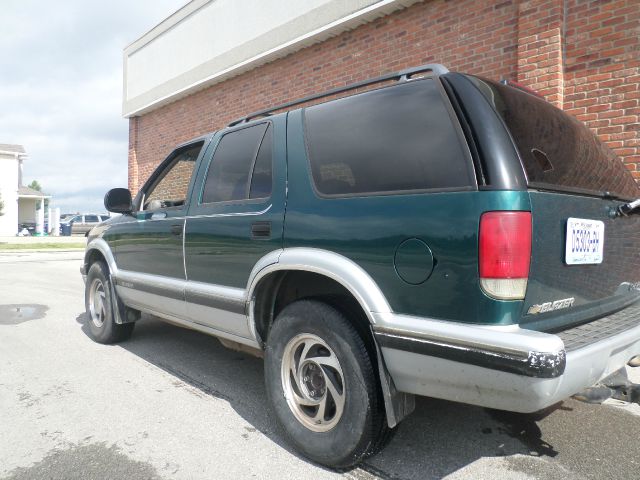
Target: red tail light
(505, 254)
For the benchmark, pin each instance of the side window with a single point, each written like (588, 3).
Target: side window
(170, 190)
(392, 139)
(91, 219)
(231, 165)
(261, 178)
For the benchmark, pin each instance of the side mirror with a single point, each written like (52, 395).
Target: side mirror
(118, 200)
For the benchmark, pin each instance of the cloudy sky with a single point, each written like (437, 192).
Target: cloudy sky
(61, 91)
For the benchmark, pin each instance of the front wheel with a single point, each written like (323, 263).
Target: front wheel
(102, 325)
(322, 385)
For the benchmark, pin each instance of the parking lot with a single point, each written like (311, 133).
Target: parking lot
(174, 404)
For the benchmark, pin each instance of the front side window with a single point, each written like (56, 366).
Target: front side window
(170, 190)
(91, 219)
(395, 139)
(237, 159)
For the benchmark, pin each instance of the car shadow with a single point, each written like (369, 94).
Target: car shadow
(439, 438)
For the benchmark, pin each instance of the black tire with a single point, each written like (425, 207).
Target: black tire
(98, 303)
(355, 433)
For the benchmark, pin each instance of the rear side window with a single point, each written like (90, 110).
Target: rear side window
(261, 179)
(394, 139)
(558, 152)
(232, 164)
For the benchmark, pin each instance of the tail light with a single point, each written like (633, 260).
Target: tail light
(505, 254)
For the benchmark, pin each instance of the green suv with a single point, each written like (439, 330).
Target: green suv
(433, 234)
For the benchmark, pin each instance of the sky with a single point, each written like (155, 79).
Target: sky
(61, 91)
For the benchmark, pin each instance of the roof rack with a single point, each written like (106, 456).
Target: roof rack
(401, 76)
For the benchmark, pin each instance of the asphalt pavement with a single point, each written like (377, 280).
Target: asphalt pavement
(175, 404)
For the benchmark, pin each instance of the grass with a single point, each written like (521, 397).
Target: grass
(41, 246)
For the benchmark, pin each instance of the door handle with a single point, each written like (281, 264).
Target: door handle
(176, 229)
(261, 230)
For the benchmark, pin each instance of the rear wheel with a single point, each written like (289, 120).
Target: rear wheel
(322, 385)
(102, 325)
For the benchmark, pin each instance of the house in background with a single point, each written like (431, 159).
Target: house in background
(20, 203)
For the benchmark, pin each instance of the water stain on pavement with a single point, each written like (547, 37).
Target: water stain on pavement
(578, 440)
(523, 427)
(16, 314)
(94, 461)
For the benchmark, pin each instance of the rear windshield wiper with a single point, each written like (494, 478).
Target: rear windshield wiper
(630, 208)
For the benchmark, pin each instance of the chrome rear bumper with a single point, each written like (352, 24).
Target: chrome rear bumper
(507, 368)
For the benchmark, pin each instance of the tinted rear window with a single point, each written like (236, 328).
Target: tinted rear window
(228, 175)
(261, 178)
(558, 152)
(393, 139)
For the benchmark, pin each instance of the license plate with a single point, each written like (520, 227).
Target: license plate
(585, 241)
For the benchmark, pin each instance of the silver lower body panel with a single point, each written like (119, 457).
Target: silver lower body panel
(438, 377)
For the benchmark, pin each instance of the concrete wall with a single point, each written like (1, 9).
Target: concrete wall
(210, 40)
(9, 192)
(583, 55)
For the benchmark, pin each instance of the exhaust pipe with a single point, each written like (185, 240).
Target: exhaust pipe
(616, 386)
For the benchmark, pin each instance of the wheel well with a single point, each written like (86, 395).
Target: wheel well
(280, 289)
(94, 256)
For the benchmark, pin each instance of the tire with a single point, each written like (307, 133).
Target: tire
(314, 343)
(98, 303)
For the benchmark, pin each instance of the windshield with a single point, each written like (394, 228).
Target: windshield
(557, 151)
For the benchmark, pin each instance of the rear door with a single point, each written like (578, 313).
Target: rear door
(235, 218)
(585, 260)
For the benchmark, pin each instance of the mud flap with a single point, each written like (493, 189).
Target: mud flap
(397, 404)
(122, 314)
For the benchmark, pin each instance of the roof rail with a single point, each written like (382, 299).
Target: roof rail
(401, 76)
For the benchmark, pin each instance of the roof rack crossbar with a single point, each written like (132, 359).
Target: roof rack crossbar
(402, 76)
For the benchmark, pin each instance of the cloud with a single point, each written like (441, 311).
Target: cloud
(61, 91)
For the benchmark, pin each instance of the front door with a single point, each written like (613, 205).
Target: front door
(149, 248)
(236, 217)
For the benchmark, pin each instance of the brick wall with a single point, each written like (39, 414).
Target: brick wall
(583, 55)
(602, 73)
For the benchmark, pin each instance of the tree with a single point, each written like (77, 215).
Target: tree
(36, 186)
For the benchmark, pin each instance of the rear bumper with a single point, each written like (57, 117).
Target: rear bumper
(506, 368)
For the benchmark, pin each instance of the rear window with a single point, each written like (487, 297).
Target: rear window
(231, 167)
(395, 139)
(557, 151)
